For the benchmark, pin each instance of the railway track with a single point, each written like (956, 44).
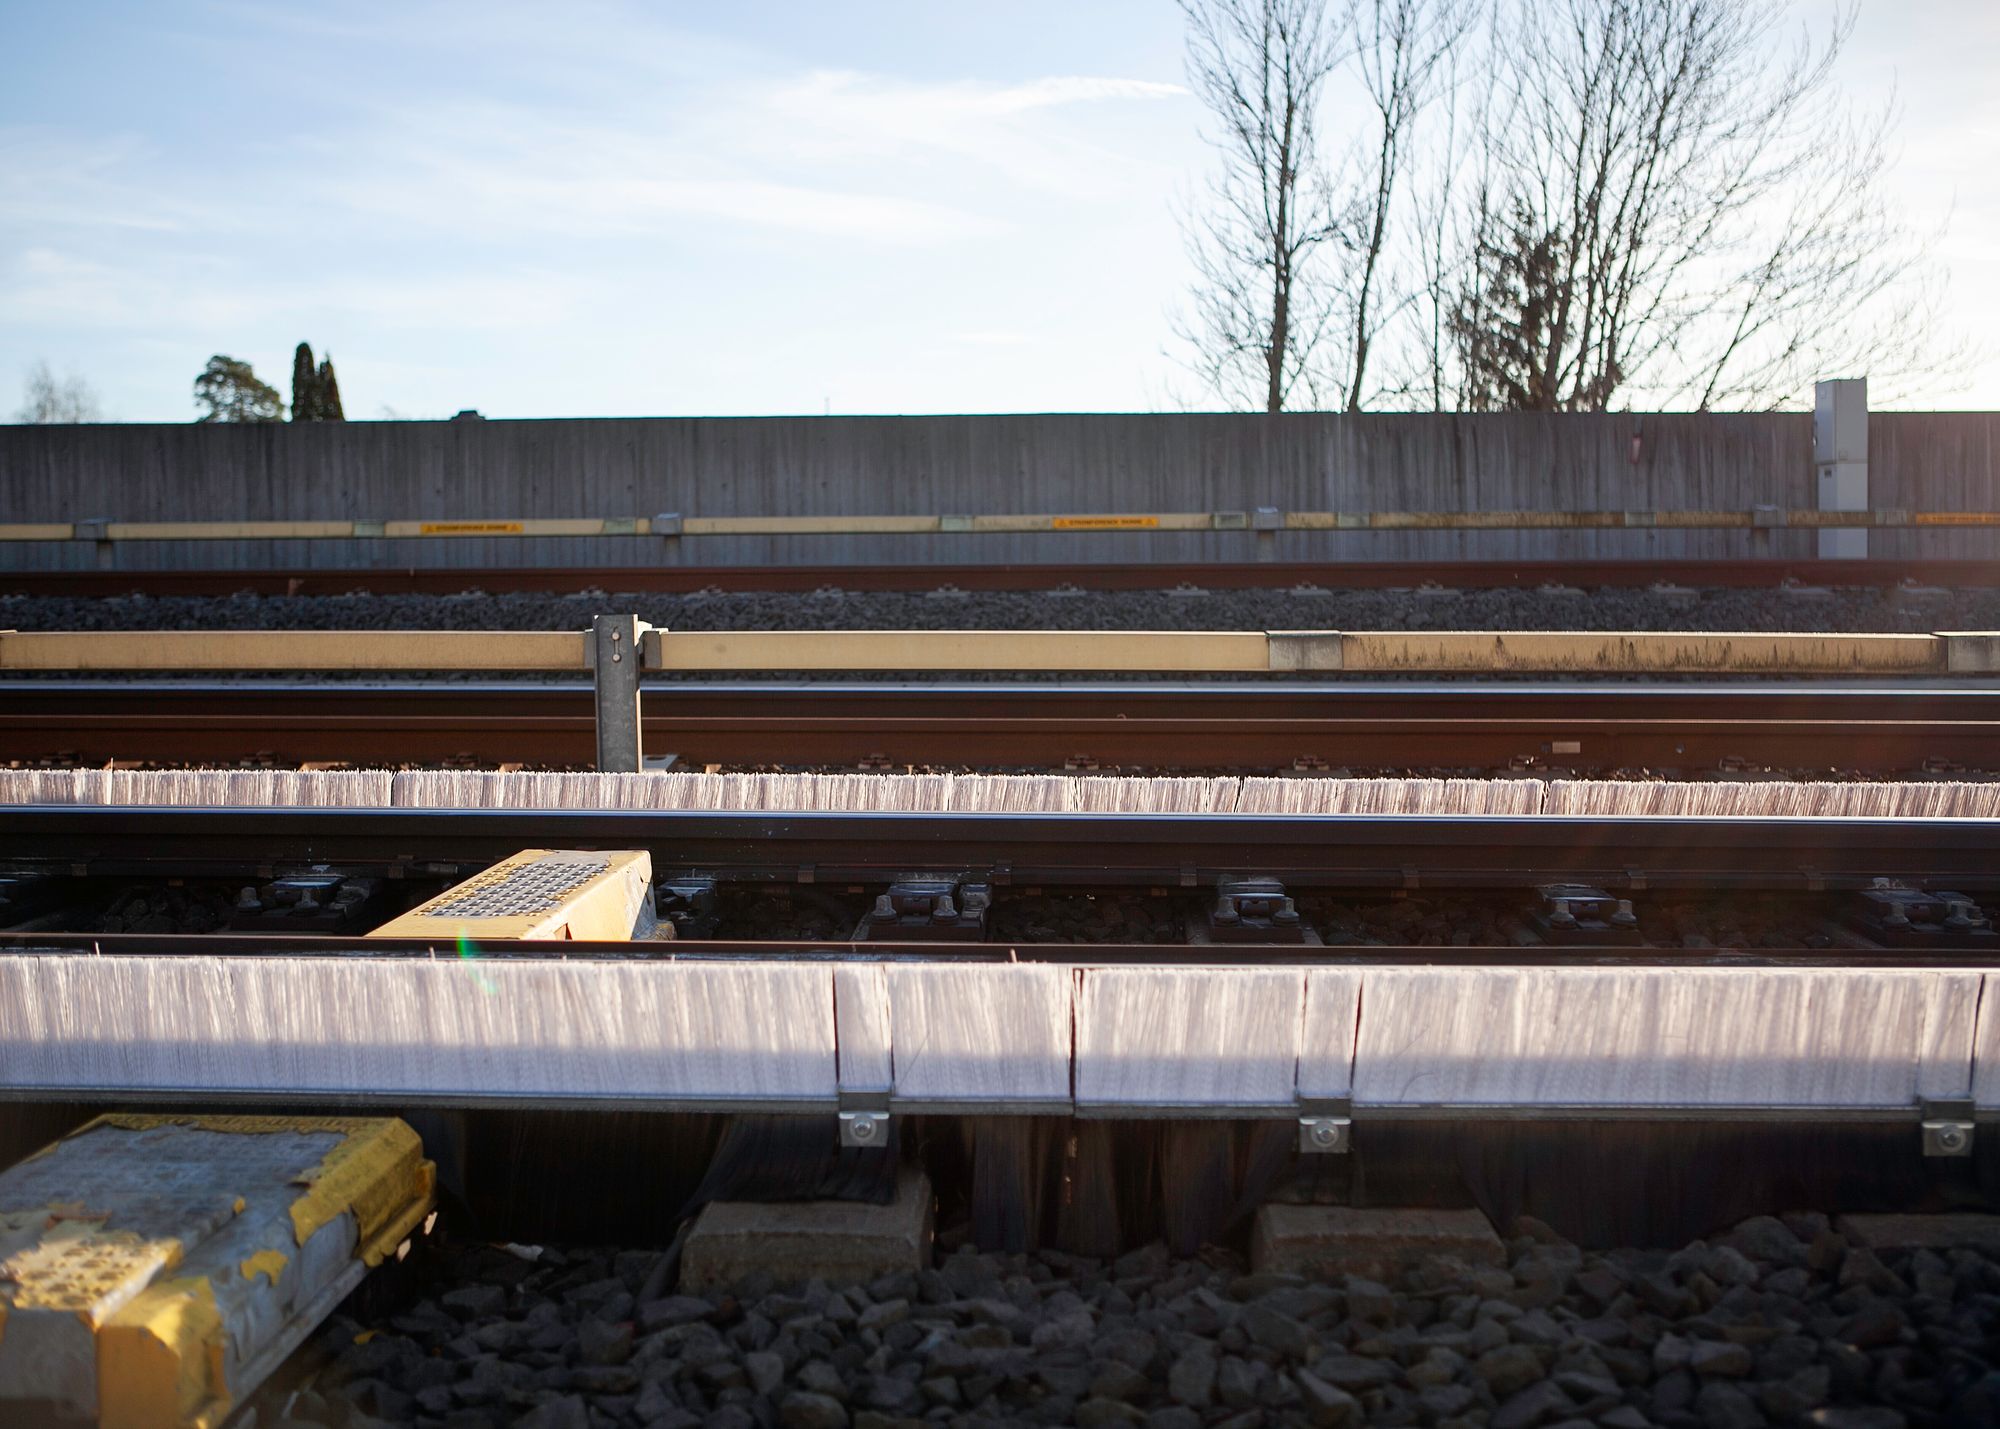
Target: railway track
(1134, 575)
(1378, 852)
(1116, 1098)
(1881, 730)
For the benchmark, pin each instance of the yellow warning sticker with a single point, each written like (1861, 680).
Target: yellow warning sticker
(1104, 523)
(1956, 518)
(469, 528)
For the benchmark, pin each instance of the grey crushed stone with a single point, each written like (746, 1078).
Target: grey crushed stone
(1799, 1329)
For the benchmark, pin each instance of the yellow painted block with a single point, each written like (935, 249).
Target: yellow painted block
(154, 1268)
(538, 893)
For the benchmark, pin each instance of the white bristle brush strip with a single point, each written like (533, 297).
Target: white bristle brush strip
(1017, 1037)
(995, 793)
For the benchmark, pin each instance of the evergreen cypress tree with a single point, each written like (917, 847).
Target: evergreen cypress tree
(305, 384)
(326, 390)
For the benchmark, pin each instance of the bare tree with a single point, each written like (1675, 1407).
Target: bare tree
(53, 401)
(1258, 316)
(1584, 204)
(1676, 203)
(1401, 51)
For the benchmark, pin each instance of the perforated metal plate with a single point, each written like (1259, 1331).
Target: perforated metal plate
(512, 890)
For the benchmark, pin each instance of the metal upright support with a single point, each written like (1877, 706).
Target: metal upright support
(1840, 455)
(616, 657)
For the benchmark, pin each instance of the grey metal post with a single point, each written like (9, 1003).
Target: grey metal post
(617, 655)
(1840, 453)
(1267, 521)
(96, 530)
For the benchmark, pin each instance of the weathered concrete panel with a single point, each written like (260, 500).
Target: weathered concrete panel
(973, 464)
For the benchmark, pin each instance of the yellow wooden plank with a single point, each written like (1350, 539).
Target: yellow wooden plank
(882, 525)
(1639, 652)
(383, 650)
(1104, 523)
(487, 526)
(1066, 650)
(808, 525)
(227, 530)
(1436, 652)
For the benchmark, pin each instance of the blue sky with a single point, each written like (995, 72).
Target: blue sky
(604, 208)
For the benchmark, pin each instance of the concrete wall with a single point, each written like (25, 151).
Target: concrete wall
(971, 464)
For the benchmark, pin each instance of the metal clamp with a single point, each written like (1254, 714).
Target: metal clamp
(667, 523)
(1948, 1127)
(1326, 1126)
(864, 1119)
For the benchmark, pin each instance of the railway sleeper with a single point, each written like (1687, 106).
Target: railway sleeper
(1242, 910)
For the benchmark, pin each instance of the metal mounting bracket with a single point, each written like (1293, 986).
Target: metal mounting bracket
(616, 652)
(1326, 1126)
(864, 1119)
(1948, 1127)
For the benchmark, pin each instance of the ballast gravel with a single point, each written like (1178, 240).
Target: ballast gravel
(1839, 609)
(1777, 1322)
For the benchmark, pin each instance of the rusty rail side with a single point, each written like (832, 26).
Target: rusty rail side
(1133, 575)
(996, 726)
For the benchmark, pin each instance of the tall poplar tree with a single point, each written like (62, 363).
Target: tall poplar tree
(327, 392)
(305, 383)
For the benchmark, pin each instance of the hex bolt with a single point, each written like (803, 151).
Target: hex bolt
(885, 909)
(1961, 914)
(1287, 912)
(247, 899)
(944, 911)
(862, 1128)
(1624, 917)
(1896, 917)
(1562, 917)
(1325, 1135)
(1225, 911)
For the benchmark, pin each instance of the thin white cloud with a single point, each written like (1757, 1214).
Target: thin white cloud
(489, 168)
(1019, 129)
(51, 179)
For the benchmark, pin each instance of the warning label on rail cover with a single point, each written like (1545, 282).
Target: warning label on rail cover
(1104, 523)
(469, 528)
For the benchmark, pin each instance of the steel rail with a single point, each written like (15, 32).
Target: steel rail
(173, 945)
(1748, 573)
(1382, 852)
(1884, 730)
